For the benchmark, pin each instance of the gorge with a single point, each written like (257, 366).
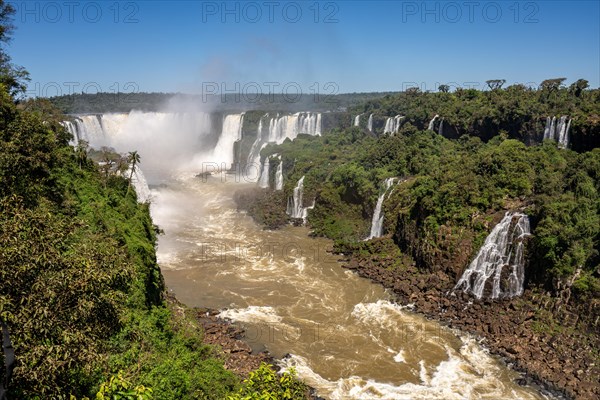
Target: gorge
(346, 337)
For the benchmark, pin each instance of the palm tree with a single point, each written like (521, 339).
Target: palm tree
(81, 152)
(134, 159)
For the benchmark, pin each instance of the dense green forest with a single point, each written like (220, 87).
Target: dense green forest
(517, 111)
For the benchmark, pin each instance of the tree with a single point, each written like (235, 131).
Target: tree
(578, 87)
(81, 152)
(552, 85)
(494, 84)
(13, 77)
(413, 91)
(134, 159)
(444, 88)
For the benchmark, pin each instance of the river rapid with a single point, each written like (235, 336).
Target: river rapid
(342, 333)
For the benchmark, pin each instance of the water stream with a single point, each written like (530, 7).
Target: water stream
(346, 338)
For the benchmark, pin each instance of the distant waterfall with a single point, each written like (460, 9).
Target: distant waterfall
(138, 182)
(430, 127)
(89, 128)
(72, 129)
(559, 132)
(370, 123)
(290, 126)
(357, 120)
(231, 132)
(257, 146)
(295, 207)
(392, 125)
(441, 128)
(504, 247)
(263, 181)
(377, 222)
(281, 128)
(279, 175)
(164, 140)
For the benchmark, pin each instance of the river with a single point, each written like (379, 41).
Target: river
(343, 334)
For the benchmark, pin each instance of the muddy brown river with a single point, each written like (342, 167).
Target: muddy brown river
(344, 335)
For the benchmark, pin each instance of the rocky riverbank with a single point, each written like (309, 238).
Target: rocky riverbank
(537, 334)
(237, 354)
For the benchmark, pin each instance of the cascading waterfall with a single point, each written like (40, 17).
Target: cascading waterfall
(357, 120)
(430, 127)
(257, 146)
(441, 128)
(279, 175)
(72, 129)
(377, 221)
(290, 126)
(504, 247)
(89, 128)
(281, 128)
(370, 123)
(162, 139)
(139, 184)
(294, 207)
(223, 152)
(392, 125)
(558, 132)
(263, 181)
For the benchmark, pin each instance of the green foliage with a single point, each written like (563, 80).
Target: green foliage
(448, 192)
(265, 384)
(79, 285)
(118, 388)
(12, 77)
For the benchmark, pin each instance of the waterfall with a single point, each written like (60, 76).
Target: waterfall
(254, 155)
(281, 128)
(389, 126)
(504, 247)
(89, 128)
(370, 123)
(295, 207)
(138, 182)
(547, 134)
(357, 120)
(430, 127)
(290, 126)
(72, 129)
(564, 141)
(164, 140)
(263, 181)
(441, 128)
(231, 132)
(558, 132)
(561, 132)
(392, 125)
(279, 175)
(377, 222)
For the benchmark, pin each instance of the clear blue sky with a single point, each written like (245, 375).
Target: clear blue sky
(193, 46)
